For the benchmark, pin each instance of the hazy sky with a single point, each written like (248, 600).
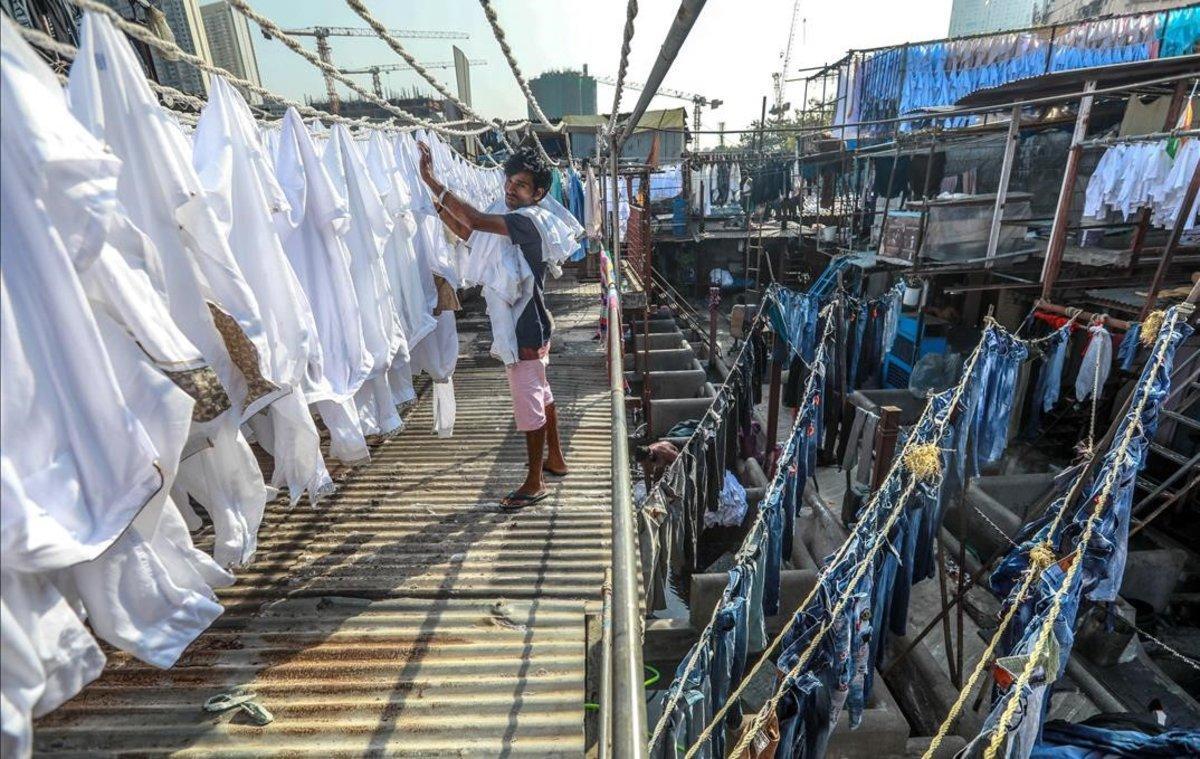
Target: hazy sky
(730, 54)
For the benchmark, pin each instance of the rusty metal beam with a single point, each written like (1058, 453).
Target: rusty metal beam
(1010, 151)
(1058, 232)
(1160, 273)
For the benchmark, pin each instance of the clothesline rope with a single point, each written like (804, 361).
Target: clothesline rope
(731, 699)
(46, 42)
(1042, 643)
(752, 536)
(631, 11)
(274, 30)
(146, 36)
(359, 7)
(1040, 556)
(866, 519)
(756, 324)
(899, 466)
(502, 39)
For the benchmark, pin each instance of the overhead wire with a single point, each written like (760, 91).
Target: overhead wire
(148, 37)
(359, 7)
(502, 39)
(631, 11)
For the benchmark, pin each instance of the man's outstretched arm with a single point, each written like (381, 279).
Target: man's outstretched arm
(462, 217)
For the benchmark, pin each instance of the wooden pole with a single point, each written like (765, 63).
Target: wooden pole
(925, 189)
(762, 123)
(773, 400)
(1058, 231)
(714, 300)
(886, 433)
(946, 638)
(1084, 317)
(887, 201)
(1010, 151)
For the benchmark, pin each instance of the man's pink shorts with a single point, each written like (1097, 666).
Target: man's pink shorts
(530, 393)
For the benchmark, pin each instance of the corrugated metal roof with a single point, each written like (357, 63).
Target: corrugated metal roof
(1126, 298)
(408, 615)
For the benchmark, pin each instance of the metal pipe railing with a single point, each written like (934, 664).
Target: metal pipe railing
(604, 739)
(628, 707)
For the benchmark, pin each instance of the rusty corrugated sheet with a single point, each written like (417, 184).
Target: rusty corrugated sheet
(408, 615)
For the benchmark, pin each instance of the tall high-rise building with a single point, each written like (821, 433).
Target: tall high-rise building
(186, 25)
(982, 16)
(1059, 11)
(564, 93)
(231, 44)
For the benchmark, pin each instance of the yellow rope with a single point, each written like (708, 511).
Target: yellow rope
(924, 461)
(1040, 557)
(765, 657)
(864, 565)
(1150, 327)
(1041, 646)
(673, 698)
(751, 535)
(899, 464)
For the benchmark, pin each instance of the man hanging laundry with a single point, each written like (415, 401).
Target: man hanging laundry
(512, 245)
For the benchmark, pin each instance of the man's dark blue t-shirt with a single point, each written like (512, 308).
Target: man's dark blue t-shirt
(534, 325)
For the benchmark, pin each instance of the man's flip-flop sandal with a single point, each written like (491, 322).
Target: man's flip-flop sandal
(514, 500)
(553, 473)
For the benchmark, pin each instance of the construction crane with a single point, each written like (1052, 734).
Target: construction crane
(323, 33)
(698, 101)
(780, 108)
(375, 71)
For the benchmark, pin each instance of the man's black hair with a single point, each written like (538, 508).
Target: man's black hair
(641, 453)
(526, 158)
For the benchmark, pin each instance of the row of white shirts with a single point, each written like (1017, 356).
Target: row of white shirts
(167, 298)
(1138, 175)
